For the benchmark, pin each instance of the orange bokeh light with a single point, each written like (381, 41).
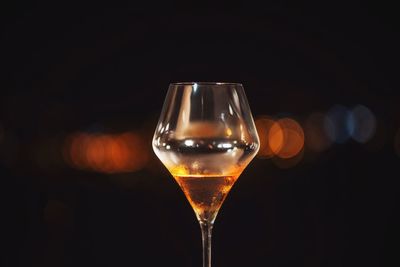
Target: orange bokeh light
(107, 153)
(276, 138)
(119, 153)
(98, 153)
(286, 138)
(268, 132)
(77, 150)
(283, 138)
(137, 154)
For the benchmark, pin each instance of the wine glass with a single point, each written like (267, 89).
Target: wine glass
(205, 137)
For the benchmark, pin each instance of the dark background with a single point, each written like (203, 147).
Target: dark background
(96, 67)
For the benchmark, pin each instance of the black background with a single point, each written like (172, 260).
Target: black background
(98, 67)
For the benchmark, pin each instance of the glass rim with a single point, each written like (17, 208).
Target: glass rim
(206, 83)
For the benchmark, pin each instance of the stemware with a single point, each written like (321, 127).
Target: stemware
(205, 137)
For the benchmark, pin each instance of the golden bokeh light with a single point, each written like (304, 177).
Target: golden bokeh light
(267, 137)
(276, 138)
(283, 138)
(288, 138)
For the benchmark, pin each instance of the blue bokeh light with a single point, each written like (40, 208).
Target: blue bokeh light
(361, 124)
(336, 124)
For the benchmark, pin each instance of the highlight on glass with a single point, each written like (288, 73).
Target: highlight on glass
(206, 137)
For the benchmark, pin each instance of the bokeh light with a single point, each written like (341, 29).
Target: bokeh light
(316, 138)
(98, 153)
(292, 136)
(268, 138)
(136, 153)
(361, 124)
(283, 138)
(107, 153)
(75, 150)
(336, 124)
(276, 138)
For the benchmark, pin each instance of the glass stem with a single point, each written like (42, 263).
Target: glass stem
(206, 232)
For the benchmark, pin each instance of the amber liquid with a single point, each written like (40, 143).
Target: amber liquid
(206, 193)
(205, 169)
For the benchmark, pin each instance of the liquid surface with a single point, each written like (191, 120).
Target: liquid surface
(206, 193)
(218, 157)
